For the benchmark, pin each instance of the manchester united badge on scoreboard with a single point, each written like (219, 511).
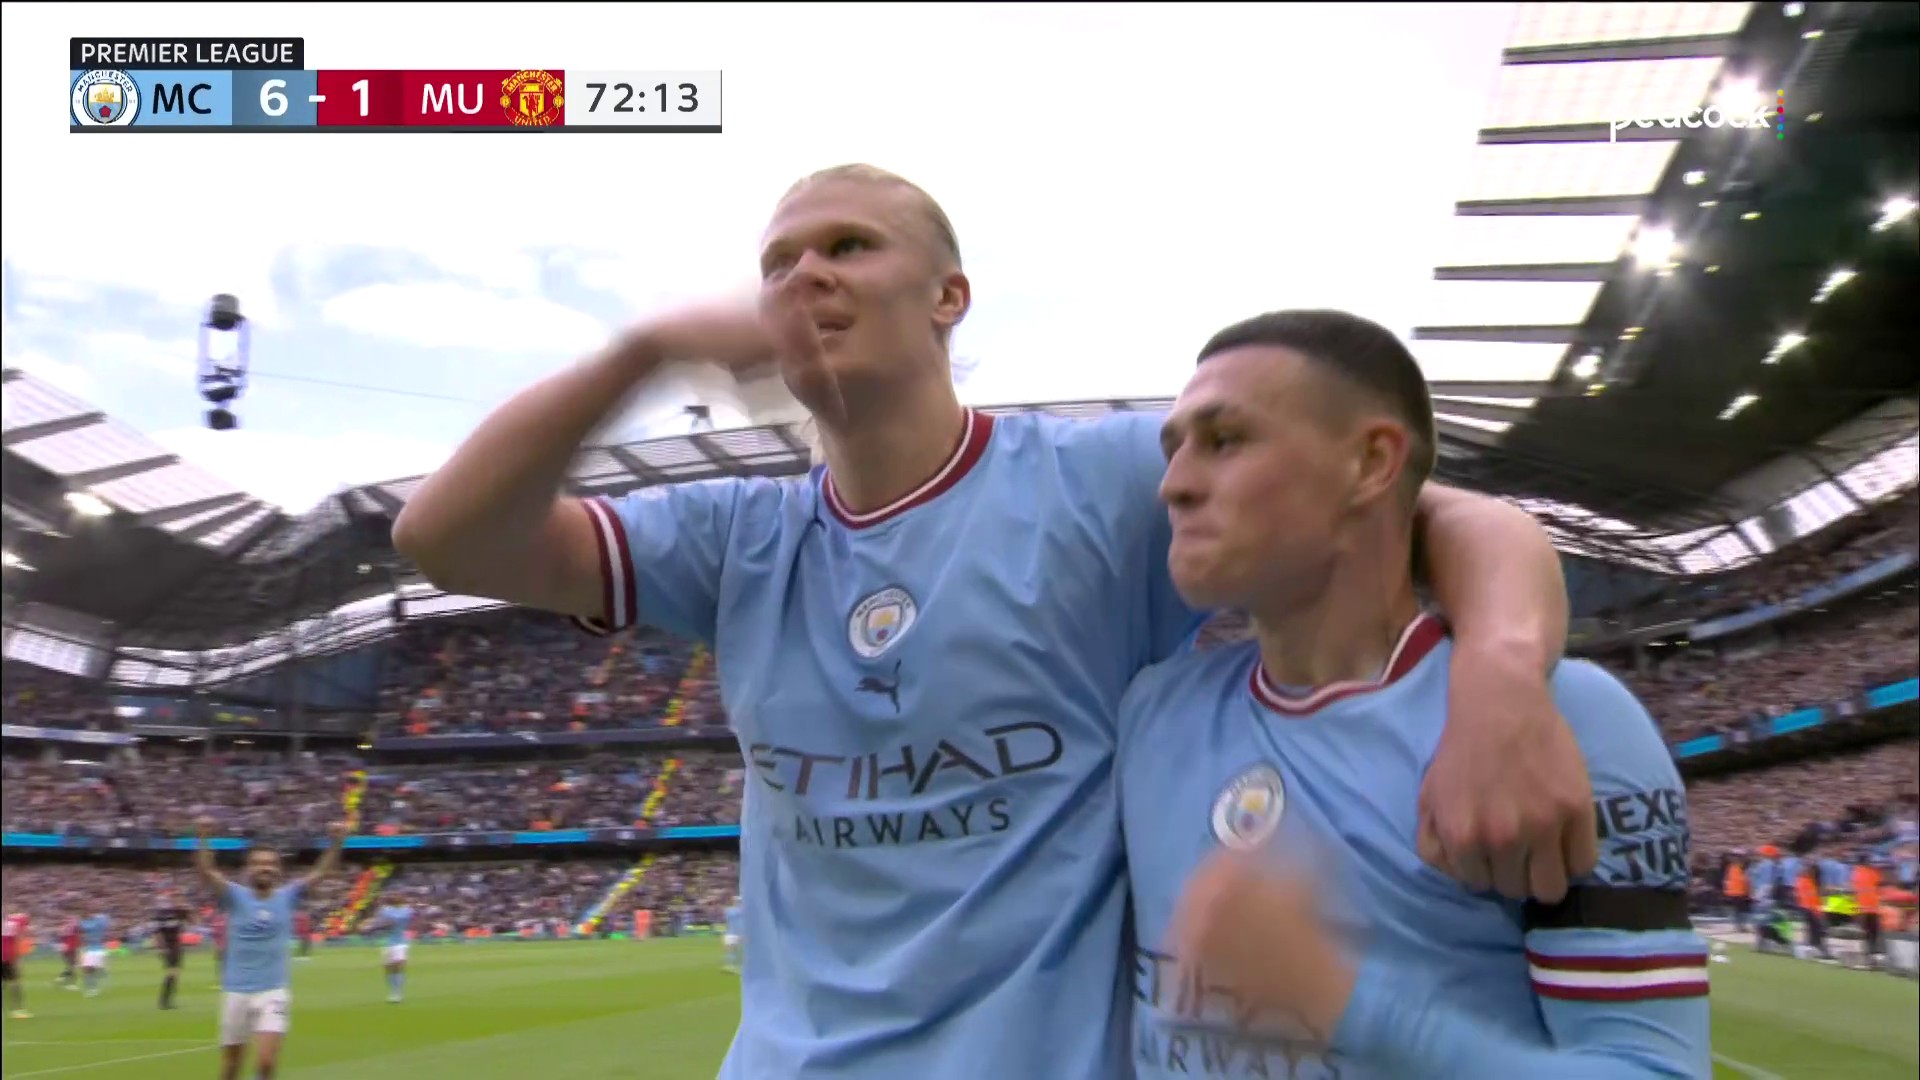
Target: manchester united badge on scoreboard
(264, 85)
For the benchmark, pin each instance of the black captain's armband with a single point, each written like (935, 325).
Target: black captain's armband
(1603, 907)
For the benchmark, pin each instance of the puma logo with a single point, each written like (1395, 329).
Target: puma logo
(874, 684)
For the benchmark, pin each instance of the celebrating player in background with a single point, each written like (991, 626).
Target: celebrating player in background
(93, 953)
(260, 924)
(736, 924)
(169, 922)
(393, 921)
(13, 940)
(1296, 453)
(997, 582)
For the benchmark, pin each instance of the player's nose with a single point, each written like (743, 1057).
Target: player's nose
(811, 273)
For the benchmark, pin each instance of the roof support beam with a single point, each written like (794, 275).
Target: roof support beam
(648, 474)
(44, 428)
(1572, 205)
(215, 523)
(1465, 388)
(1536, 272)
(715, 452)
(1672, 48)
(188, 509)
(1520, 335)
(109, 473)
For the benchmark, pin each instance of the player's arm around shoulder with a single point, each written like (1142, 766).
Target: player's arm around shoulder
(1114, 467)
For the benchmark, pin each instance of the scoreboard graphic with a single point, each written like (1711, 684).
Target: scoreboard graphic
(264, 85)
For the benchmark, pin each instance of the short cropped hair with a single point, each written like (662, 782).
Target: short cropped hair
(1363, 354)
(944, 234)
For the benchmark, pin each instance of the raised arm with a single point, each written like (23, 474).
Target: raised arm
(492, 521)
(203, 857)
(329, 860)
(1507, 803)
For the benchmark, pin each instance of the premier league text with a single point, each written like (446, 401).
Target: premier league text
(187, 54)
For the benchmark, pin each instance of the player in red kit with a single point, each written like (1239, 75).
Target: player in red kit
(69, 954)
(303, 927)
(13, 940)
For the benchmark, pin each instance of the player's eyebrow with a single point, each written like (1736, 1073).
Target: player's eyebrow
(1174, 431)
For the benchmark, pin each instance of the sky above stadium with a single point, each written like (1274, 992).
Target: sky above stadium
(1124, 180)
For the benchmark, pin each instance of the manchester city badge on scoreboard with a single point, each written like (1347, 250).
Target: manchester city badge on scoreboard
(263, 85)
(108, 98)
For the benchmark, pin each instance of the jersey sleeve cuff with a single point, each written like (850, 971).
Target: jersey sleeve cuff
(618, 591)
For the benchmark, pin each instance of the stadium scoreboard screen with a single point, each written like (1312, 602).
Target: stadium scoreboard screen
(264, 85)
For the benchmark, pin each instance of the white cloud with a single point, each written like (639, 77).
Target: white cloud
(70, 377)
(175, 357)
(444, 314)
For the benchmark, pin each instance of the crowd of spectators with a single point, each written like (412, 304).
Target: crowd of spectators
(512, 672)
(544, 897)
(1820, 660)
(520, 671)
(275, 796)
(1841, 548)
(1862, 796)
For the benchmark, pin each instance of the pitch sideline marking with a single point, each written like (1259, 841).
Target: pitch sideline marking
(1754, 1071)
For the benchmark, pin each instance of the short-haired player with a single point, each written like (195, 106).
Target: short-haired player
(1287, 922)
(256, 1002)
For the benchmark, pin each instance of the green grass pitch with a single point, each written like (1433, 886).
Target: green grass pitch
(664, 1010)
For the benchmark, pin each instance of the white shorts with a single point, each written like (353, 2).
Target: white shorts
(93, 958)
(246, 1015)
(395, 954)
(731, 941)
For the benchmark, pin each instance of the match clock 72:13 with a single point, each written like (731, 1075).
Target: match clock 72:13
(625, 97)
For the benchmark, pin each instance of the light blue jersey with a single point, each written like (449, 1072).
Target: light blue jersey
(394, 922)
(736, 920)
(94, 930)
(259, 936)
(1611, 983)
(926, 697)
(1760, 881)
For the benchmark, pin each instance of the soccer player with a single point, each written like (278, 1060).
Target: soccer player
(169, 922)
(394, 920)
(730, 941)
(921, 649)
(13, 937)
(303, 931)
(70, 954)
(259, 953)
(93, 954)
(1288, 924)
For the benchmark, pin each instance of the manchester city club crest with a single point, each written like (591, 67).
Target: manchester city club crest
(1248, 811)
(881, 620)
(105, 99)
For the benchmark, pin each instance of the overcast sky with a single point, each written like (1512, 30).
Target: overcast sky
(1125, 180)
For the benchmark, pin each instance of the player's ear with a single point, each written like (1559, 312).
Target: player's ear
(953, 297)
(1380, 456)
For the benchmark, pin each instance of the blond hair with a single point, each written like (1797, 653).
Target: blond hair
(944, 234)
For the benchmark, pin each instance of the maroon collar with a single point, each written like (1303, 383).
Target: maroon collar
(1416, 641)
(966, 454)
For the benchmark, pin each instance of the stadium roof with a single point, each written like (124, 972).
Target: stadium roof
(1685, 329)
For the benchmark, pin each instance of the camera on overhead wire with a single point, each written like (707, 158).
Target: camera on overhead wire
(225, 337)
